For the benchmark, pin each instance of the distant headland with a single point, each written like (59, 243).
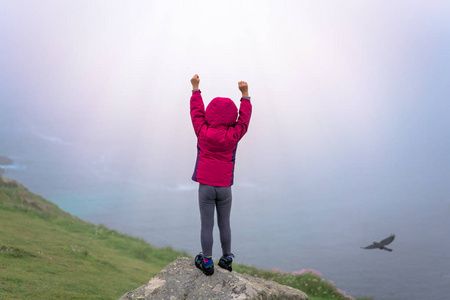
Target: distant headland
(5, 161)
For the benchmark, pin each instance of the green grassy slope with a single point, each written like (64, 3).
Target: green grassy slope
(45, 253)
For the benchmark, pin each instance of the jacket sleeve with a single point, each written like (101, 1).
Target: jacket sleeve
(245, 112)
(197, 111)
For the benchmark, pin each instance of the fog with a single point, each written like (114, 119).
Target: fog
(346, 93)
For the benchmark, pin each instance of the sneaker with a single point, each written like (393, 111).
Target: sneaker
(207, 270)
(226, 261)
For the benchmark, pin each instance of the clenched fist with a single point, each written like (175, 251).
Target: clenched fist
(195, 81)
(243, 87)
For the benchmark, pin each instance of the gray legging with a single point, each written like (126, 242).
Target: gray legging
(210, 197)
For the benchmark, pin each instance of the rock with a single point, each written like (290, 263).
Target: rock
(182, 280)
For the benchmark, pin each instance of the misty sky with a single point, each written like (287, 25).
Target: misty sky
(347, 94)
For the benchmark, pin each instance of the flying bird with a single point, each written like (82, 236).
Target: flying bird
(382, 244)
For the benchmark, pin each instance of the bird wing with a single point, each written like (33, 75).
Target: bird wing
(388, 240)
(373, 246)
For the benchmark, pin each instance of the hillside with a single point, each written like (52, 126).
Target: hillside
(46, 253)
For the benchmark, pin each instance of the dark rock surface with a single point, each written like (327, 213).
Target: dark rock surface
(182, 280)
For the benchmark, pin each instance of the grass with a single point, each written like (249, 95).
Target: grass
(45, 253)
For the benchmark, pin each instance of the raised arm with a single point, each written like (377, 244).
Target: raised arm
(245, 112)
(197, 106)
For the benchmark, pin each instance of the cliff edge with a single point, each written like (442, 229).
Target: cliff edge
(182, 280)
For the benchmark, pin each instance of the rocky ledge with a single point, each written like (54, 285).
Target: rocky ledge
(182, 280)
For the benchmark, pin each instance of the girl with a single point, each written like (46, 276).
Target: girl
(218, 131)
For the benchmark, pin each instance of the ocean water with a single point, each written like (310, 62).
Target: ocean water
(287, 226)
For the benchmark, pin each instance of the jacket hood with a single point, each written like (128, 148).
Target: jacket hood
(221, 111)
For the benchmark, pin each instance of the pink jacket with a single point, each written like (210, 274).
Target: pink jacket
(218, 134)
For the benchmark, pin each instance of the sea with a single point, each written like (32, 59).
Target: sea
(284, 227)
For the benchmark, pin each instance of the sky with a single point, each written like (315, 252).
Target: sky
(345, 93)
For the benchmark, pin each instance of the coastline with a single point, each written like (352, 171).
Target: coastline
(87, 245)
